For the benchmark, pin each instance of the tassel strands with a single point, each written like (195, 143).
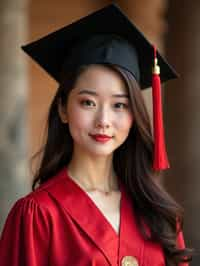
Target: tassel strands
(160, 155)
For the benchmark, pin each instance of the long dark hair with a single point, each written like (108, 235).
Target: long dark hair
(132, 163)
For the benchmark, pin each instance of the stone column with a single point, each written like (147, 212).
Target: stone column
(182, 110)
(13, 141)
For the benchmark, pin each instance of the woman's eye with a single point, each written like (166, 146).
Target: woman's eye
(121, 106)
(87, 103)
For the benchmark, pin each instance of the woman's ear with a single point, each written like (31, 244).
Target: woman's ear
(62, 112)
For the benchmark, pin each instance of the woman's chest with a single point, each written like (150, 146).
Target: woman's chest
(98, 245)
(82, 234)
(109, 206)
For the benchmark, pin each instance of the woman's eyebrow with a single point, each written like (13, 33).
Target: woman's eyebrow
(123, 95)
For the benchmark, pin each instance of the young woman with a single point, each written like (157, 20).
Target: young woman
(99, 201)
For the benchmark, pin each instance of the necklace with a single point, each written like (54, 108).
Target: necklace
(106, 193)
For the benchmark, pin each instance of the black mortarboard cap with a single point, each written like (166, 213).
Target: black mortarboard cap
(105, 36)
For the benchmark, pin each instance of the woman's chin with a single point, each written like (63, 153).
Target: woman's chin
(99, 152)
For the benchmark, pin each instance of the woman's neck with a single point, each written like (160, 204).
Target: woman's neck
(93, 174)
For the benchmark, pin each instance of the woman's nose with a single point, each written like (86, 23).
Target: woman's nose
(103, 119)
(102, 125)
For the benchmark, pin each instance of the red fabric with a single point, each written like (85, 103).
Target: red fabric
(59, 225)
(181, 245)
(160, 155)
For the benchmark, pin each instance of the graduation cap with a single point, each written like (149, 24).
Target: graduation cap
(107, 36)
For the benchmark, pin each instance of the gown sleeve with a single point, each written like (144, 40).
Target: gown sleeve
(25, 237)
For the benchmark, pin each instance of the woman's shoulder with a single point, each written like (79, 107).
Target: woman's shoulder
(40, 197)
(29, 224)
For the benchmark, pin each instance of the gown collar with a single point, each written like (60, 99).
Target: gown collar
(88, 216)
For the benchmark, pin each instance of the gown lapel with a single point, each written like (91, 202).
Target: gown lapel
(88, 216)
(131, 242)
(85, 213)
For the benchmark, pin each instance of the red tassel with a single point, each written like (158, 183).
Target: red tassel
(160, 154)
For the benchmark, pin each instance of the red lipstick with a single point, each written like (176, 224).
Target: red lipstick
(101, 137)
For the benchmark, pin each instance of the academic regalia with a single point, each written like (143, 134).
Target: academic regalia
(60, 225)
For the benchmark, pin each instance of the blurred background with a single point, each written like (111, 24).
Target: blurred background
(26, 92)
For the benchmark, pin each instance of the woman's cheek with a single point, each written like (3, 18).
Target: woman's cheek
(79, 119)
(125, 121)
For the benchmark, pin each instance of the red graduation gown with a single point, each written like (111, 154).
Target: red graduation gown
(60, 225)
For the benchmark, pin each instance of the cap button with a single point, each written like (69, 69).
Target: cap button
(129, 261)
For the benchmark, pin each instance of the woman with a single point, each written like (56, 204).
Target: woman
(98, 201)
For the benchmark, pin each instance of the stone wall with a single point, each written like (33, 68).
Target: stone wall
(182, 111)
(13, 105)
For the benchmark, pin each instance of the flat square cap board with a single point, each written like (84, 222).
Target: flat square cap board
(105, 36)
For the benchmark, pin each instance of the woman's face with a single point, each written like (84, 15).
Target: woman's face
(98, 104)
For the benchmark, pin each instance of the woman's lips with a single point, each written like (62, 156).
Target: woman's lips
(101, 138)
